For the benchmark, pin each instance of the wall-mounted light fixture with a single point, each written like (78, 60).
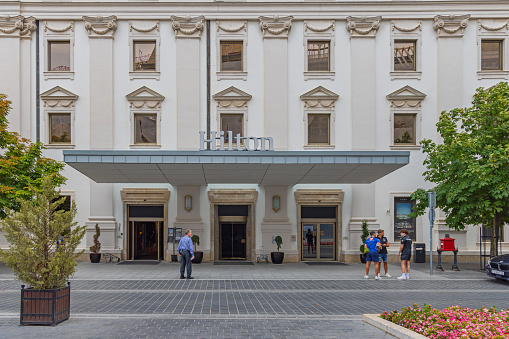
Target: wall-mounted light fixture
(188, 203)
(276, 201)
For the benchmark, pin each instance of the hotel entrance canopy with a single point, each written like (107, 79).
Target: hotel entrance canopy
(236, 167)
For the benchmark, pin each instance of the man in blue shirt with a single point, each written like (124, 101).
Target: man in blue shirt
(185, 249)
(372, 244)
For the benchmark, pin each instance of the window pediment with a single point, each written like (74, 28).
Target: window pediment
(406, 96)
(319, 96)
(232, 95)
(145, 96)
(58, 96)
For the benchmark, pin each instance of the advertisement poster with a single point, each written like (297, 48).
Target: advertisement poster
(402, 219)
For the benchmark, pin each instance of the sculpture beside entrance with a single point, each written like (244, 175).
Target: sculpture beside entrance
(236, 143)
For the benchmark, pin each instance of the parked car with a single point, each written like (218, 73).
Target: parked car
(498, 267)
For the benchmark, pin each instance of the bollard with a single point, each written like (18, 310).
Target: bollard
(439, 266)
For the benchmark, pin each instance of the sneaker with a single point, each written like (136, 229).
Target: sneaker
(403, 277)
(408, 276)
(366, 277)
(388, 275)
(377, 277)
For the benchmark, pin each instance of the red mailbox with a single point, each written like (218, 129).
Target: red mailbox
(447, 244)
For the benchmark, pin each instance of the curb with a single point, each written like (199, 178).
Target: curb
(391, 328)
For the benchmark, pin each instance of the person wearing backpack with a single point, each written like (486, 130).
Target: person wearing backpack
(372, 244)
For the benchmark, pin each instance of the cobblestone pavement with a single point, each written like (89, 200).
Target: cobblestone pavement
(258, 307)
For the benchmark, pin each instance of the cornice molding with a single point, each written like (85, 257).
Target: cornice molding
(11, 24)
(231, 30)
(188, 26)
(100, 26)
(275, 26)
(145, 96)
(143, 30)
(394, 26)
(482, 26)
(59, 30)
(331, 26)
(58, 96)
(450, 25)
(363, 26)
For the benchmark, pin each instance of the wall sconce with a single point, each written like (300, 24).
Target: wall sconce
(276, 200)
(188, 203)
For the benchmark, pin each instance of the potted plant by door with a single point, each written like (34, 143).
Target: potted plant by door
(364, 236)
(95, 256)
(198, 255)
(277, 257)
(39, 258)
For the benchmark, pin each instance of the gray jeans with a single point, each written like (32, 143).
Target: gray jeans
(186, 263)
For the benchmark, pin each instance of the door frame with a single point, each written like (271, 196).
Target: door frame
(231, 220)
(322, 198)
(318, 222)
(130, 232)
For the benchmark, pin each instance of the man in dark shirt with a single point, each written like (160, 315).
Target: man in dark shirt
(309, 239)
(382, 254)
(405, 251)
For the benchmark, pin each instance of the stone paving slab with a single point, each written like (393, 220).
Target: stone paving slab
(194, 327)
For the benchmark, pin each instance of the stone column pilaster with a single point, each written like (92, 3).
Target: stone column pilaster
(101, 31)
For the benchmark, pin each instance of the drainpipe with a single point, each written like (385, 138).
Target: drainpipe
(208, 82)
(37, 86)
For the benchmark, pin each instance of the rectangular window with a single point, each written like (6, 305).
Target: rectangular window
(318, 129)
(59, 56)
(234, 123)
(145, 129)
(404, 129)
(491, 55)
(144, 56)
(402, 220)
(231, 56)
(404, 55)
(60, 128)
(318, 56)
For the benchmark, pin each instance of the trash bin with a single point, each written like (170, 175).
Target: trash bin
(419, 252)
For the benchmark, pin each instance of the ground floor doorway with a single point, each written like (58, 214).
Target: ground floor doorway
(145, 232)
(318, 241)
(233, 240)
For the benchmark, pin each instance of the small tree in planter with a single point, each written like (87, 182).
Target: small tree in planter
(364, 236)
(35, 257)
(95, 256)
(198, 255)
(277, 257)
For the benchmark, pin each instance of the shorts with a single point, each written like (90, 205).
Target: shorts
(406, 256)
(372, 256)
(382, 257)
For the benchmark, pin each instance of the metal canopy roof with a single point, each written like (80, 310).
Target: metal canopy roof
(236, 167)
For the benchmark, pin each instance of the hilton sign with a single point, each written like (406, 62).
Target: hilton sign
(249, 143)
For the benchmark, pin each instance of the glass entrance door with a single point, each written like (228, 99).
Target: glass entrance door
(318, 241)
(147, 240)
(233, 240)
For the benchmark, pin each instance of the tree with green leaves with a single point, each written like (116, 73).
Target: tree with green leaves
(21, 164)
(470, 169)
(36, 253)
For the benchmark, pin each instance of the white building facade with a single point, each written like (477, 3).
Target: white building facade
(322, 105)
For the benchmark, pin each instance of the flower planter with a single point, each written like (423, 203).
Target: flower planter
(95, 257)
(277, 257)
(363, 258)
(45, 307)
(174, 258)
(198, 257)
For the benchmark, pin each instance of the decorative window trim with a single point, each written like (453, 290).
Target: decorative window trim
(493, 29)
(139, 31)
(233, 30)
(144, 101)
(319, 101)
(406, 100)
(407, 30)
(58, 31)
(320, 30)
(57, 101)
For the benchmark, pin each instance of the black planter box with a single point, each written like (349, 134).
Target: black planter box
(95, 258)
(277, 257)
(198, 257)
(45, 307)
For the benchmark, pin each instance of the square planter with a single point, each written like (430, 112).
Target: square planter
(45, 307)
